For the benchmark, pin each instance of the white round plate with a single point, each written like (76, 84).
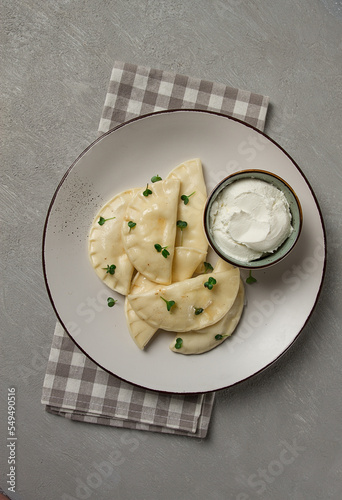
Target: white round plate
(278, 305)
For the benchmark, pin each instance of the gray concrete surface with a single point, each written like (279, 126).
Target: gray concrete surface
(55, 65)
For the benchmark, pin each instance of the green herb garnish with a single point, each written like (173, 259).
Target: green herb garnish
(182, 225)
(208, 267)
(198, 310)
(102, 220)
(111, 301)
(220, 337)
(161, 249)
(185, 198)
(156, 178)
(179, 343)
(169, 303)
(210, 283)
(131, 224)
(110, 269)
(250, 280)
(147, 191)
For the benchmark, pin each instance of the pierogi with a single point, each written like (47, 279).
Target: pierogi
(189, 296)
(204, 339)
(140, 331)
(155, 216)
(105, 244)
(185, 262)
(190, 208)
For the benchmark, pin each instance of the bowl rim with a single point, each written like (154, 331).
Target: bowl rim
(216, 190)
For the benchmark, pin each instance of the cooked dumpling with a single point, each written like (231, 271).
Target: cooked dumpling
(186, 261)
(155, 218)
(140, 331)
(105, 244)
(194, 306)
(190, 210)
(221, 265)
(204, 340)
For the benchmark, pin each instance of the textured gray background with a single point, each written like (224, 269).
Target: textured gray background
(56, 61)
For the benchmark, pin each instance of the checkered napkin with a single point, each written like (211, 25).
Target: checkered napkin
(74, 386)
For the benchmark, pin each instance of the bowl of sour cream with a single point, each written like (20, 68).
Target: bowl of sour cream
(253, 219)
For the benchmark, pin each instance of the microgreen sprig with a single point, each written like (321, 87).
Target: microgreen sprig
(156, 178)
(110, 269)
(111, 302)
(185, 198)
(182, 225)
(250, 280)
(169, 303)
(207, 267)
(147, 191)
(179, 343)
(198, 310)
(102, 220)
(131, 224)
(161, 249)
(220, 337)
(210, 283)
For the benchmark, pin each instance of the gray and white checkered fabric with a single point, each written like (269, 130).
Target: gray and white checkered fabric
(137, 90)
(74, 386)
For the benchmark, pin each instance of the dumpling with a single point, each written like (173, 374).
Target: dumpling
(194, 306)
(192, 185)
(105, 244)
(204, 340)
(140, 331)
(155, 218)
(222, 265)
(186, 261)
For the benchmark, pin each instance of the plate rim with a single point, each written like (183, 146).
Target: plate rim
(140, 118)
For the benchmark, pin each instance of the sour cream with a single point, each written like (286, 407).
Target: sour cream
(250, 218)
